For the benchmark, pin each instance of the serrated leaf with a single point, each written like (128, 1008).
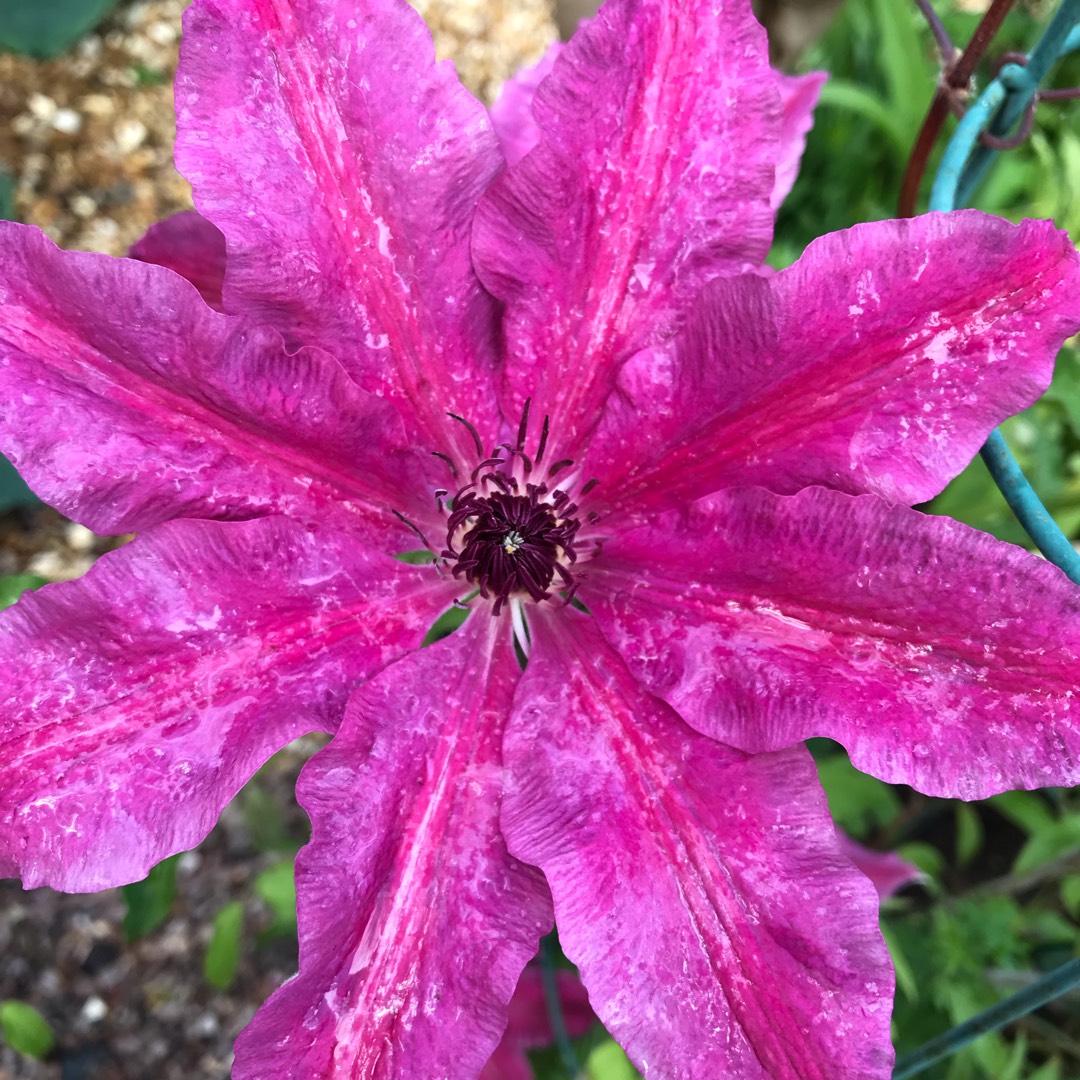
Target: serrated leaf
(25, 1029)
(47, 28)
(223, 953)
(149, 901)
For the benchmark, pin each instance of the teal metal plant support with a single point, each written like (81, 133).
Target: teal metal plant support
(1000, 107)
(999, 110)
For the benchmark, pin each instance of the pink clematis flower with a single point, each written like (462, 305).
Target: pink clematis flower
(564, 375)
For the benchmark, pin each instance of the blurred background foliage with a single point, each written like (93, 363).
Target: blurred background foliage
(1000, 898)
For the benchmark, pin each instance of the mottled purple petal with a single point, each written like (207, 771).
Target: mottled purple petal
(701, 892)
(415, 922)
(879, 362)
(343, 165)
(659, 125)
(512, 116)
(137, 700)
(190, 246)
(888, 873)
(939, 656)
(798, 97)
(130, 402)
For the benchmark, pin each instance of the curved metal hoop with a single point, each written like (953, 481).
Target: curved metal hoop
(998, 110)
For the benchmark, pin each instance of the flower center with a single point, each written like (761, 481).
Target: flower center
(509, 530)
(510, 544)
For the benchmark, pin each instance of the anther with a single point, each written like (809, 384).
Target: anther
(472, 431)
(523, 427)
(449, 461)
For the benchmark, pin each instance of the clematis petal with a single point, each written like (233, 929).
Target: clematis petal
(151, 406)
(365, 159)
(798, 98)
(659, 125)
(415, 922)
(877, 363)
(175, 668)
(189, 245)
(511, 114)
(937, 655)
(701, 892)
(887, 871)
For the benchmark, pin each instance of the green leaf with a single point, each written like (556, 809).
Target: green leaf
(906, 981)
(149, 901)
(969, 833)
(446, 624)
(276, 887)
(13, 489)
(47, 28)
(264, 817)
(223, 953)
(416, 558)
(1058, 838)
(842, 94)
(858, 802)
(908, 75)
(1050, 1071)
(7, 196)
(1070, 895)
(609, 1062)
(1065, 389)
(1026, 810)
(25, 1029)
(14, 585)
(925, 856)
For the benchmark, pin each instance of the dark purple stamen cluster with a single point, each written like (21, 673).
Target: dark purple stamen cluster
(505, 533)
(514, 543)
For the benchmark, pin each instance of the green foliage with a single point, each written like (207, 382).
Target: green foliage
(276, 887)
(223, 953)
(608, 1062)
(13, 489)
(149, 901)
(45, 28)
(858, 802)
(7, 196)
(446, 624)
(14, 585)
(416, 558)
(25, 1029)
(264, 817)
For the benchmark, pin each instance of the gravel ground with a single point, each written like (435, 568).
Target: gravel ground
(88, 140)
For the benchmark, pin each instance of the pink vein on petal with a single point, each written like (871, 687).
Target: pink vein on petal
(177, 665)
(415, 922)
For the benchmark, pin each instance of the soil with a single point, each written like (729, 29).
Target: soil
(87, 139)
